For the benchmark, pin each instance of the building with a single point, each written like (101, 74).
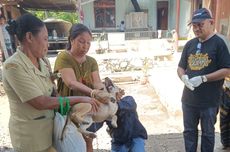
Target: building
(139, 15)
(221, 13)
(154, 15)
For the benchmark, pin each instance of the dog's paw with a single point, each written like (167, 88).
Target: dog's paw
(114, 124)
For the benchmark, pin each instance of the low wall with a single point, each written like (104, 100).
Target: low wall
(167, 85)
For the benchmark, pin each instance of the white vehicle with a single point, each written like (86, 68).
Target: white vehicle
(57, 33)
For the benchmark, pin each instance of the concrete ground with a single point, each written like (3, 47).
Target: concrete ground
(163, 78)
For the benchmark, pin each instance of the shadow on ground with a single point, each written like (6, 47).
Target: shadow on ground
(6, 149)
(161, 143)
(165, 143)
(172, 142)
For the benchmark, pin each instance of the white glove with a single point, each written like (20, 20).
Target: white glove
(198, 80)
(187, 83)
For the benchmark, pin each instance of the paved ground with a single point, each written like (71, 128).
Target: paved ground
(167, 89)
(151, 113)
(158, 108)
(163, 78)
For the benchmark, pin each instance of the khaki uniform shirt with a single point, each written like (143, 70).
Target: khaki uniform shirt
(30, 129)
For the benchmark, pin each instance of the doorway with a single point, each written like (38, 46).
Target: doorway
(162, 15)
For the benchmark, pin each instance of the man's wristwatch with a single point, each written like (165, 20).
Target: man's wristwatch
(204, 78)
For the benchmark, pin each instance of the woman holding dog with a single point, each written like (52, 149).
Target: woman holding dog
(26, 80)
(79, 72)
(80, 76)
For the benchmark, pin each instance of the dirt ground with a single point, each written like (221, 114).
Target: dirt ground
(153, 116)
(151, 113)
(164, 129)
(150, 110)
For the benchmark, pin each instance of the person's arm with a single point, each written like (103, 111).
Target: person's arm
(223, 55)
(184, 78)
(69, 78)
(64, 65)
(29, 92)
(214, 76)
(223, 63)
(218, 75)
(180, 72)
(45, 102)
(97, 83)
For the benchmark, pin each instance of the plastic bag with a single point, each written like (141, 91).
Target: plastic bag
(72, 140)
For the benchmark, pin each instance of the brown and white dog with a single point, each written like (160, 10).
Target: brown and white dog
(81, 116)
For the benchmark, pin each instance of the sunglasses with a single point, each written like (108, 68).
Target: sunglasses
(198, 48)
(198, 25)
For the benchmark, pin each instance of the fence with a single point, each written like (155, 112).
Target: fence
(135, 35)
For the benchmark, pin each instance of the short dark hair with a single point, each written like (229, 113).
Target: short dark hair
(25, 23)
(75, 31)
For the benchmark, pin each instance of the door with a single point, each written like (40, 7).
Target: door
(162, 15)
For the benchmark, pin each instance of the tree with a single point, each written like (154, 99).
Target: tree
(67, 16)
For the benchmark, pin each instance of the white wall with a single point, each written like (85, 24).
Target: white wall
(185, 10)
(125, 6)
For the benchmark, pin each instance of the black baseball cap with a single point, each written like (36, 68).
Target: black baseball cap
(200, 15)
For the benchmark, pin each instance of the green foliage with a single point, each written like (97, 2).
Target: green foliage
(183, 38)
(67, 16)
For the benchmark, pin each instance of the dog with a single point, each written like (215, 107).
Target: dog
(80, 114)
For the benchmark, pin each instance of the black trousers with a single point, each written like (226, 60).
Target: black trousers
(225, 118)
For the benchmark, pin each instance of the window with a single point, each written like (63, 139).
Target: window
(104, 11)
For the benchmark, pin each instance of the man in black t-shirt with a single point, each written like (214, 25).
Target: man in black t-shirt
(204, 63)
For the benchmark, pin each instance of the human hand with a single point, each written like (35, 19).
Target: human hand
(119, 94)
(95, 103)
(187, 82)
(198, 80)
(101, 95)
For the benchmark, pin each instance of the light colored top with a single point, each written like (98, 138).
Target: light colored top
(30, 129)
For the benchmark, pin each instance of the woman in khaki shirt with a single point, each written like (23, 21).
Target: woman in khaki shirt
(27, 83)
